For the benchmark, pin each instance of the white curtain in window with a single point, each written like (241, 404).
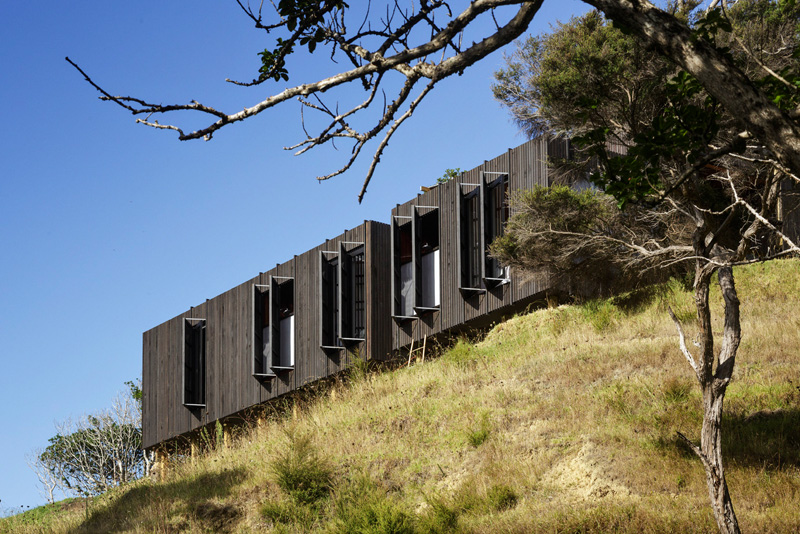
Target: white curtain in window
(287, 341)
(430, 280)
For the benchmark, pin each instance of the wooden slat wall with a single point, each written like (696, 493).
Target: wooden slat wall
(230, 386)
(526, 166)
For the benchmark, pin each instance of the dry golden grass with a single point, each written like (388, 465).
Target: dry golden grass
(563, 420)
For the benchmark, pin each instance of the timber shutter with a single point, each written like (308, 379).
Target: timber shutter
(282, 323)
(261, 332)
(329, 300)
(495, 215)
(402, 254)
(470, 233)
(352, 309)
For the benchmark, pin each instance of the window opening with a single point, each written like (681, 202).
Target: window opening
(329, 300)
(353, 326)
(402, 268)
(426, 260)
(282, 323)
(496, 216)
(194, 363)
(470, 239)
(261, 332)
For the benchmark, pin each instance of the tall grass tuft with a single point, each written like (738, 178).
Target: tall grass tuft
(361, 507)
(299, 471)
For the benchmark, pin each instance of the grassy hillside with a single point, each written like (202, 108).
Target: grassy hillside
(562, 420)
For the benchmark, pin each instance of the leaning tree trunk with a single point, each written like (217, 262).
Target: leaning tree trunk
(714, 383)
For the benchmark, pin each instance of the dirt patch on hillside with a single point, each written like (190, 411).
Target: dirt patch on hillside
(587, 476)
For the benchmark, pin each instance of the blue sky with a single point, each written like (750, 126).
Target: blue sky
(108, 228)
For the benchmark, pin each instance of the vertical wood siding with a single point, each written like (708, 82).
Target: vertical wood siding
(526, 167)
(230, 385)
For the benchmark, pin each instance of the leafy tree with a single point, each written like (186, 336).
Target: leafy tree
(407, 49)
(92, 454)
(695, 188)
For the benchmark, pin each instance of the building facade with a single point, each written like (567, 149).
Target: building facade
(369, 292)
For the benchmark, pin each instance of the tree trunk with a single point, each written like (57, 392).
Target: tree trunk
(711, 445)
(714, 383)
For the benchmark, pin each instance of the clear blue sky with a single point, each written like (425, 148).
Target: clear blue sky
(108, 228)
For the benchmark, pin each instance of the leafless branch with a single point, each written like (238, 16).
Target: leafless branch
(682, 338)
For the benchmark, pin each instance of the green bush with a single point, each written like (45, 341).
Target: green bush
(300, 472)
(289, 513)
(501, 497)
(362, 508)
(601, 314)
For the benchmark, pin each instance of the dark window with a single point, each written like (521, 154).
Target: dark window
(470, 239)
(282, 326)
(329, 299)
(496, 216)
(194, 363)
(261, 332)
(402, 267)
(426, 260)
(353, 302)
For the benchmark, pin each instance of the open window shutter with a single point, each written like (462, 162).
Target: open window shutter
(416, 254)
(481, 241)
(345, 293)
(188, 371)
(358, 272)
(395, 273)
(258, 338)
(490, 230)
(329, 293)
(463, 239)
(274, 322)
(323, 307)
(200, 369)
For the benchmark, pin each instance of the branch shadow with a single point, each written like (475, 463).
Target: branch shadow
(168, 507)
(768, 438)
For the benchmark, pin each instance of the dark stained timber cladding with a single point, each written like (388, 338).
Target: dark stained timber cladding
(526, 167)
(233, 338)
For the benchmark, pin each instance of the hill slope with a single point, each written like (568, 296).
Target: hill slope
(562, 420)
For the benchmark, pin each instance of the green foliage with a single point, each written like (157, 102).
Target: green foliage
(98, 451)
(440, 516)
(361, 507)
(676, 391)
(449, 174)
(575, 236)
(585, 69)
(501, 497)
(476, 436)
(685, 128)
(288, 513)
(601, 314)
(302, 19)
(300, 472)
(462, 354)
(359, 367)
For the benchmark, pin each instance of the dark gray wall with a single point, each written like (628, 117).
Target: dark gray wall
(230, 386)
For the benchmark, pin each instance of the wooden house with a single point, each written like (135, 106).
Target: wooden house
(443, 280)
(296, 323)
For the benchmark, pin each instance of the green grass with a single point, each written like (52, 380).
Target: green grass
(562, 420)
